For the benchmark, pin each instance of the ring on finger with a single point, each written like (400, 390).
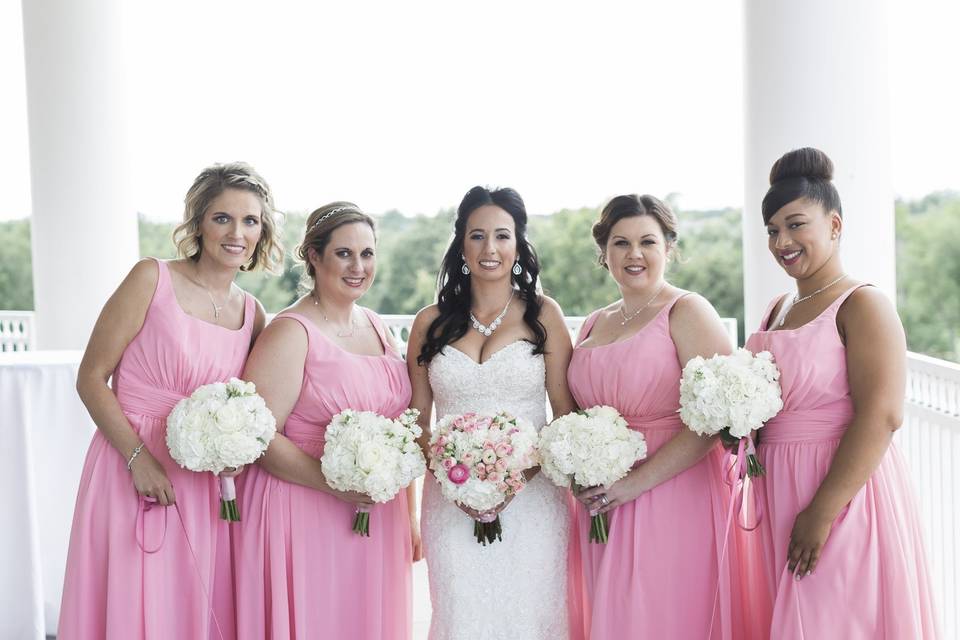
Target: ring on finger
(604, 500)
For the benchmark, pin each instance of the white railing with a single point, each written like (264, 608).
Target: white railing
(16, 331)
(930, 440)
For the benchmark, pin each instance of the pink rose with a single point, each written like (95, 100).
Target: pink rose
(504, 449)
(488, 456)
(458, 474)
(448, 463)
(468, 458)
(501, 465)
(502, 487)
(494, 476)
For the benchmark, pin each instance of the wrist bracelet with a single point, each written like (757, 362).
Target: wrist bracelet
(133, 455)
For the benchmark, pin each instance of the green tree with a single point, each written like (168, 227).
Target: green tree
(16, 273)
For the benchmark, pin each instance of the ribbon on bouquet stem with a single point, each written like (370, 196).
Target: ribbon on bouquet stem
(735, 477)
(146, 504)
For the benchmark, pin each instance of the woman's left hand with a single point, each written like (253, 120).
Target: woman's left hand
(417, 542)
(231, 472)
(810, 532)
(600, 500)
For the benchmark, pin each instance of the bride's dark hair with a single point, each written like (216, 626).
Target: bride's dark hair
(453, 287)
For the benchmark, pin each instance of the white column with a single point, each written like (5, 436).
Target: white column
(816, 76)
(83, 229)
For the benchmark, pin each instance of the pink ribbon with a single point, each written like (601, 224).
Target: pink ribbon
(147, 503)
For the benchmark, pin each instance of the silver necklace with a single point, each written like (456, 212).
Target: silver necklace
(354, 325)
(217, 308)
(797, 299)
(633, 315)
(488, 330)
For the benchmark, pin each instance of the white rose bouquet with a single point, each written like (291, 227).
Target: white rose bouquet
(221, 425)
(479, 461)
(732, 395)
(370, 454)
(590, 448)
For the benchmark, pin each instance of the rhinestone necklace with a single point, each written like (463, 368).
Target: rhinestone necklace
(633, 315)
(488, 330)
(797, 299)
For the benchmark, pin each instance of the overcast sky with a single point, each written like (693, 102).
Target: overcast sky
(405, 105)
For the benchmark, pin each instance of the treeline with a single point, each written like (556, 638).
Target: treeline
(410, 249)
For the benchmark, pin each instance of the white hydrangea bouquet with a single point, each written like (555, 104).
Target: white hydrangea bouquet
(732, 395)
(479, 461)
(368, 453)
(221, 425)
(590, 448)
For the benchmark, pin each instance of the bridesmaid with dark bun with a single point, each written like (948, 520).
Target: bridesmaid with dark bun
(843, 548)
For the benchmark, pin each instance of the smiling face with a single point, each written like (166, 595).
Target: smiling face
(348, 264)
(636, 253)
(490, 243)
(230, 228)
(802, 237)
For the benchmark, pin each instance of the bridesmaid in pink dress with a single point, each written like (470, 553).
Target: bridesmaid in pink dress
(843, 548)
(658, 575)
(301, 571)
(134, 571)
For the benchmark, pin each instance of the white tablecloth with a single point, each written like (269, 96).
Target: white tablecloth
(45, 431)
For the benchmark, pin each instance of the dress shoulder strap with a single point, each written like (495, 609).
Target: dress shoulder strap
(587, 326)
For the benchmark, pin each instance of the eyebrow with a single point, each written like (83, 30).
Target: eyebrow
(646, 235)
(497, 229)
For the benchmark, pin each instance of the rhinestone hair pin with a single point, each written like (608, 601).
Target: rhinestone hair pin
(333, 211)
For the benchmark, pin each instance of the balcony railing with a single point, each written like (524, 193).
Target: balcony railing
(930, 440)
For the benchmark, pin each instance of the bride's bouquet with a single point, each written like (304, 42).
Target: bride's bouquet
(479, 462)
(731, 395)
(221, 425)
(590, 448)
(371, 454)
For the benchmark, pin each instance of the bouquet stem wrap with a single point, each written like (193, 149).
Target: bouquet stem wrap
(228, 500)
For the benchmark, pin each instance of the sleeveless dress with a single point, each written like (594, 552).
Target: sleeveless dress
(301, 570)
(871, 581)
(657, 575)
(515, 588)
(139, 573)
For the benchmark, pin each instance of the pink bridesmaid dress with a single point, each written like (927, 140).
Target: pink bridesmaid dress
(139, 572)
(657, 575)
(301, 571)
(871, 581)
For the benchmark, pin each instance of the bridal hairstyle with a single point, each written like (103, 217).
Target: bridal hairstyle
(628, 206)
(453, 287)
(320, 226)
(213, 181)
(801, 173)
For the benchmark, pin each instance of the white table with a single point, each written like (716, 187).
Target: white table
(45, 431)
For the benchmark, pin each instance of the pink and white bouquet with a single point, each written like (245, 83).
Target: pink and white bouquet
(371, 454)
(731, 395)
(479, 461)
(221, 425)
(590, 448)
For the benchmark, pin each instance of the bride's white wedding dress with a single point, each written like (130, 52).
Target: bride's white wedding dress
(514, 588)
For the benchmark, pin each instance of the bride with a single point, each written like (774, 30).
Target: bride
(493, 343)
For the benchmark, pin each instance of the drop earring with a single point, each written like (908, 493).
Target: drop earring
(517, 269)
(465, 269)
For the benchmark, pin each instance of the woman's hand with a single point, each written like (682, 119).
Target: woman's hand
(231, 472)
(151, 480)
(810, 532)
(600, 500)
(360, 500)
(417, 541)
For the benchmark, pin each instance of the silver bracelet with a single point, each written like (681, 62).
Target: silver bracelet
(134, 455)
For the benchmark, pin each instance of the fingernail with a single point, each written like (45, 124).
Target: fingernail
(797, 577)
(808, 573)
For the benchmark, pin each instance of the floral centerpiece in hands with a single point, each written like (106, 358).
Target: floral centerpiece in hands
(220, 426)
(731, 395)
(371, 454)
(590, 448)
(479, 461)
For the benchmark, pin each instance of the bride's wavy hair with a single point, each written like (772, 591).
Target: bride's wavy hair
(453, 286)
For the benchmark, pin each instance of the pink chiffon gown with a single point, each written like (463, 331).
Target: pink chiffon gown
(871, 582)
(152, 573)
(657, 576)
(301, 571)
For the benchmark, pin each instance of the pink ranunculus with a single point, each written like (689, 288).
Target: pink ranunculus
(513, 431)
(501, 465)
(458, 474)
(516, 474)
(448, 463)
(494, 476)
(468, 458)
(503, 487)
(488, 456)
(442, 441)
(504, 449)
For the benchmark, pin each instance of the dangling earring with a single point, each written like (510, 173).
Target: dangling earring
(465, 269)
(517, 269)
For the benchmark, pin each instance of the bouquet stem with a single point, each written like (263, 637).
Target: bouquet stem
(229, 510)
(361, 523)
(599, 532)
(487, 532)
